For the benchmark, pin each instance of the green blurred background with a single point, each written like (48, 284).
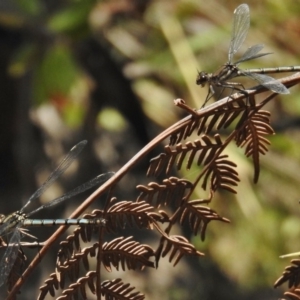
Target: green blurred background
(108, 71)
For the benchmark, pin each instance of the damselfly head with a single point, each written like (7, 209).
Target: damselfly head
(202, 78)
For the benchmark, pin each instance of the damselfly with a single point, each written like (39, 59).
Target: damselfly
(15, 222)
(241, 23)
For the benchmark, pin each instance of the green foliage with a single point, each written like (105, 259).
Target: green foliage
(31, 7)
(72, 19)
(55, 75)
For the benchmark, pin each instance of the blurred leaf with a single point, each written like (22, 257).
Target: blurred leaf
(157, 102)
(31, 7)
(73, 18)
(56, 74)
(22, 59)
(73, 114)
(111, 119)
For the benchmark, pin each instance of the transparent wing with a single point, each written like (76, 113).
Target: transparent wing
(10, 256)
(268, 82)
(3, 228)
(61, 168)
(9, 225)
(240, 27)
(252, 53)
(80, 189)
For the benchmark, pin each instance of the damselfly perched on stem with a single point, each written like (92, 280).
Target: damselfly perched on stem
(14, 223)
(240, 27)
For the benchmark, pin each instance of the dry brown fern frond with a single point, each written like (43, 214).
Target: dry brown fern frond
(78, 290)
(290, 274)
(70, 266)
(51, 284)
(87, 231)
(128, 253)
(176, 246)
(132, 214)
(172, 190)
(221, 117)
(252, 137)
(219, 168)
(124, 253)
(116, 289)
(120, 252)
(250, 132)
(165, 161)
(72, 260)
(74, 291)
(72, 244)
(197, 215)
(222, 174)
(293, 294)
